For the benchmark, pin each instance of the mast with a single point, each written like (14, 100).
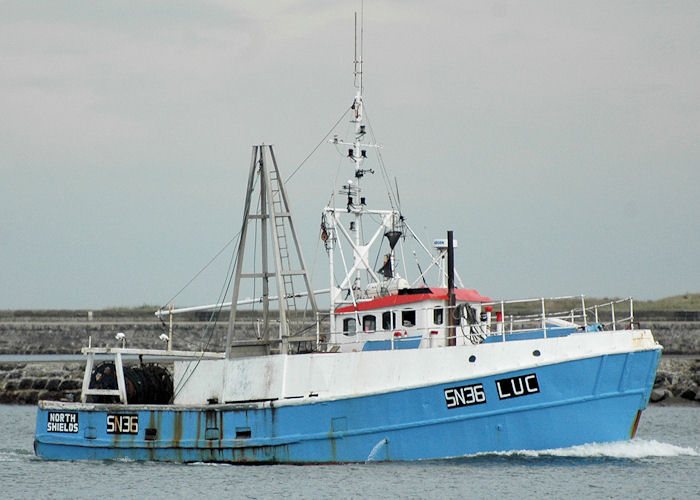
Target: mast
(342, 227)
(357, 153)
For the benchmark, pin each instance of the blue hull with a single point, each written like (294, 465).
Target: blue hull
(590, 400)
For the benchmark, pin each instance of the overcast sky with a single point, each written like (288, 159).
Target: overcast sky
(559, 140)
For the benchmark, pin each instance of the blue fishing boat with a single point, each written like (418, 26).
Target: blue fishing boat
(397, 369)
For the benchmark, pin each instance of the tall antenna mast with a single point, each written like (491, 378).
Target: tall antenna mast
(358, 62)
(357, 154)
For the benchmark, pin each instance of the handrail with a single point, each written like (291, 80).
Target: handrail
(518, 322)
(496, 324)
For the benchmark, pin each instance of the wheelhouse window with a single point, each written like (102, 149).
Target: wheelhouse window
(438, 315)
(388, 320)
(369, 323)
(349, 326)
(408, 318)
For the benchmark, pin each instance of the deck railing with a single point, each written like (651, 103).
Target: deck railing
(515, 316)
(582, 315)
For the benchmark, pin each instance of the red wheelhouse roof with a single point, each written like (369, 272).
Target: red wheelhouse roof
(461, 295)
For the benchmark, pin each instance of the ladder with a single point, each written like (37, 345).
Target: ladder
(280, 215)
(287, 261)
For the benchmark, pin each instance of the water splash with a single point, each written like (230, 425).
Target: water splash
(14, 455)
(372, 454)
(209, 464)
(634, 449)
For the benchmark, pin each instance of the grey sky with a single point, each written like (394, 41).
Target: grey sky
(559, 140)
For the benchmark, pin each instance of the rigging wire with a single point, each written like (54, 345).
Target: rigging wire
(382, 166)
(234, 259)
(311, 279)
(170, 300)
(341, 159)
(317, 145)
(211, 327)
(235, 237)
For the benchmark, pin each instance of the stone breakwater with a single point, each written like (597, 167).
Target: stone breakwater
(57, 337)
(677, 337)
(677, 381)
(27, 383)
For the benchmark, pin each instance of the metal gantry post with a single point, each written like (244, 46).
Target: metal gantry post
(544, 319)
(264, 214)
(90, 362)
(121, 384)
(503, 321)
(631, 314)
(612, 312)
(170, 329)
(451, 302)
(241, 252)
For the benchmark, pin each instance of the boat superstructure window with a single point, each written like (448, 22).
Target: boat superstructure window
(438, 315)
(408, 317)
(369, 323)
(388, 320)
(349, 326)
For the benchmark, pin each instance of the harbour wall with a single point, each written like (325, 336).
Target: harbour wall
(26, 383)
(22, 382)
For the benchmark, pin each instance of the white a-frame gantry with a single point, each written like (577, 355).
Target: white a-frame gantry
(287, 267)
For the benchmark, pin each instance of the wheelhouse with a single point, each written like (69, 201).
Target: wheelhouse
(411, 318)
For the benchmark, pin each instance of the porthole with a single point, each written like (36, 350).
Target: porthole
(536, 352)
(472, 358)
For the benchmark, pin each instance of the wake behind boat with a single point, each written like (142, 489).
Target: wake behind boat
(397, 369)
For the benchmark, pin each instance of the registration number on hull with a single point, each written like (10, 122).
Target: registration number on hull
(514, 387)
(506, 388)
(467, 395)
(122, 424)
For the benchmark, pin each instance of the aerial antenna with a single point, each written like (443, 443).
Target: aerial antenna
(355, 60)
(358, 62)
(362, 37)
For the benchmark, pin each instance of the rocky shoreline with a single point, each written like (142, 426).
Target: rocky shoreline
(677, 380)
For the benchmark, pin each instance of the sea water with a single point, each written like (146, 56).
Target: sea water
(663, 461)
